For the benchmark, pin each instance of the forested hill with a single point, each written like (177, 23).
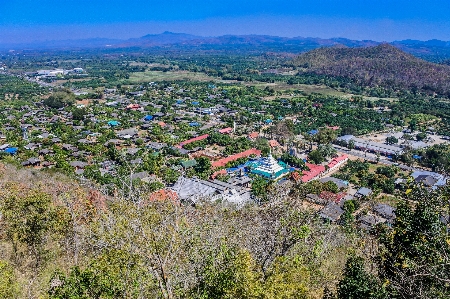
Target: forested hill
(383, 65)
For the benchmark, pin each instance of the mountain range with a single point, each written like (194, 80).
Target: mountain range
(434, 50)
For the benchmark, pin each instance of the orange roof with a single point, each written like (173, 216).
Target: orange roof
(215, 174)
(163, 194)
(224, 161)
(194, 139)
(162, 124)
(273, 143)
(335, 128)
(253, 135)
(296, 176)
(226, 131)
(330, 196)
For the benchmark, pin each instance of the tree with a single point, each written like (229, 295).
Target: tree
(259, 187)
(357, 283)
(325, 136)
(421, 136)
(28, 216)
(416, 253)
(114, 274)
(316, 157)
(203, 167)
(8, 284)
(391, 140)
(327, 150)
(351, 144)
(293, 161)
(79, 113)
(228, 273)
(60, 99)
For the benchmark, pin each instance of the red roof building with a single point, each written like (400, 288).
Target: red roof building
(226, 131)
(330, 196)
(336, 162)
(317, 170)
(133, 107)
(202, 137)
(314, 171)
(274, 143)
(224, 161)
(220, 172)
(253, 135)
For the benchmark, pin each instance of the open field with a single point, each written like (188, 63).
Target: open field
(154, 76)
(309, 89)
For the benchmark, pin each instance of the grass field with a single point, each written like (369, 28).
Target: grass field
(155, 76)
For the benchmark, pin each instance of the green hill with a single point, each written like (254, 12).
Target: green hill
(383, 65)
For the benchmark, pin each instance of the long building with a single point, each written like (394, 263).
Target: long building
(245, 154)
(371, 146)
(194, 190)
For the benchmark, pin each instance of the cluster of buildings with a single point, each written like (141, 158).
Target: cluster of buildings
(51, 74)
(318, 171)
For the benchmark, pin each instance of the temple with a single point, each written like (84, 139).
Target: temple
(270, 168)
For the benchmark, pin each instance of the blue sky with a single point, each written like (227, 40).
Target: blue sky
(382, 20)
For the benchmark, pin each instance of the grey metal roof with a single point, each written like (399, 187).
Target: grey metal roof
(332, 212)
(385, 211)
(371, 145)
(364, 191)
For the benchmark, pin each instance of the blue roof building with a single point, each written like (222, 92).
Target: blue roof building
(113, 123)
(11, 150)
(268, 121)
(194, 124)
(313, 132)
(148, 118)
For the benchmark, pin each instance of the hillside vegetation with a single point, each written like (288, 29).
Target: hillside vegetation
(383, 65)
(61, 240)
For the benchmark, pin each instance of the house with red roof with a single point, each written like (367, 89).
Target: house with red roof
(332, 197)
(198, 138)
(337, 162)
(314, 172)
(274, 143)
(133, 107)
(220, 172)
(253, 135)
(224, 161)
(226, 131)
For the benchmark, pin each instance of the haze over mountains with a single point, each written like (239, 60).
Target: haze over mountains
(434, 50)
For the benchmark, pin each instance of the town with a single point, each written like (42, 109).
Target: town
(191, 141)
